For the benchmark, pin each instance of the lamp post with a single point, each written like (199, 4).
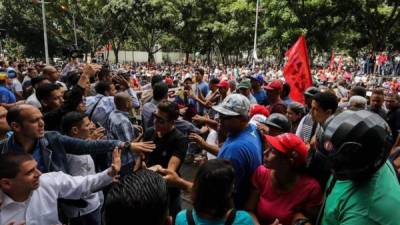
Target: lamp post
(46, 47)
(255, 36)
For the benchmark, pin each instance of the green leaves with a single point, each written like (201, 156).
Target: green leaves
(223, 27)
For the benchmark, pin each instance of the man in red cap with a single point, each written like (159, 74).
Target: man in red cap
(223, 88)
(274, 89)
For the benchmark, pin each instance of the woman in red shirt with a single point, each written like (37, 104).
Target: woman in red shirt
(282, 192)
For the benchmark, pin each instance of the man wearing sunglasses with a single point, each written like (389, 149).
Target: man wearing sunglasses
(171, 146)
(243, 147)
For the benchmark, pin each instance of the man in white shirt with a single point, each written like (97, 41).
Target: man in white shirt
(78, 125)
(27, 195)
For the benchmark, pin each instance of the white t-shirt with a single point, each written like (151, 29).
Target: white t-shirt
(16, 86)
(212, 139)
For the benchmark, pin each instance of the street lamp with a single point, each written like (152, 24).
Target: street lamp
(255, 36)
(46, 47)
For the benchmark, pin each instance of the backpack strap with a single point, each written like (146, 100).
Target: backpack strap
(94, 108)
(231, 217)
(189, 217)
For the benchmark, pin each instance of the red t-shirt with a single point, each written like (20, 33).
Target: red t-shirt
(305, 194)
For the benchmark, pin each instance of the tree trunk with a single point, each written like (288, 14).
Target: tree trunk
(151, 57)
(107, 55)
(209, 57)
(116, 51)
(187, 57)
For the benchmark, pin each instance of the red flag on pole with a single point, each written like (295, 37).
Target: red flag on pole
(297, 70)
(332, 62)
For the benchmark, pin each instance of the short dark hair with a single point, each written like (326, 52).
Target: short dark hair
(102, 86)
(73, 78)
(214, 81)
(71, 101)
(297, 108)
(70, 120)
(170, 108)
(140, 197)
(156, 79)
(37, 80)
(213, 188)
(359, 90)
(327, 100)
(103, 73)
(200, 70)
(10, 163)
(378, 91)
(44, 91)
(160, 91)
(14, 115)
(285, 90)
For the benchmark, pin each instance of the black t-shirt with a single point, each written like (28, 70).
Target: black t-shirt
(171, 144)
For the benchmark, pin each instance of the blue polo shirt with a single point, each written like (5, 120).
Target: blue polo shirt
(36, 153)
(6, 96)
(244, 150)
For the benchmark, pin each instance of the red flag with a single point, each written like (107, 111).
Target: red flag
(332, 62)
(297, 70)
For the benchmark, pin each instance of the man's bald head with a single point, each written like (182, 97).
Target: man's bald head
(123, 102)
(19, 112)
(51, 73)
(26, 120)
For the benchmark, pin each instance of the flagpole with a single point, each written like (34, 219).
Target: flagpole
(255, 36)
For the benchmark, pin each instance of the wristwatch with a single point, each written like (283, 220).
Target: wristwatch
(126, 146)
(302, 221)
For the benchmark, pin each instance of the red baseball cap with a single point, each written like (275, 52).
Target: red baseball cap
(290, 145)
(168, 81)
(223, 83)
(258, 109)
(274, 85)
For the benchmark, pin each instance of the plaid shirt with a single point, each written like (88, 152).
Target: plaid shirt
(119, 127)
(106, 106)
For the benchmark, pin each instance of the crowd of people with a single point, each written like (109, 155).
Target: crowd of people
(88, 144)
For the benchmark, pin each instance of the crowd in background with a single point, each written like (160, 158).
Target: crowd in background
(100, 144)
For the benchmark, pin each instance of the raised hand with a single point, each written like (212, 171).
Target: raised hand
(196, 138)
(115, 164)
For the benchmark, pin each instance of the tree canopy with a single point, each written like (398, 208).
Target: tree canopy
(221, 27)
